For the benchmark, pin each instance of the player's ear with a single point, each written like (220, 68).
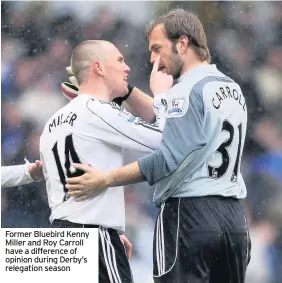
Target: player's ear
(182, 44)
(98, 68)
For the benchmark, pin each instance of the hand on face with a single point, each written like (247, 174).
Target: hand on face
(159, 82)
(88, 185)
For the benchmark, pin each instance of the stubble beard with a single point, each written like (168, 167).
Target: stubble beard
(176, 63)
(176, 66)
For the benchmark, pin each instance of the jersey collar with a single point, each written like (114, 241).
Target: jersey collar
(211, 69)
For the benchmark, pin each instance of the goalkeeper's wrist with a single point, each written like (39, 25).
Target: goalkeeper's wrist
(130, 89)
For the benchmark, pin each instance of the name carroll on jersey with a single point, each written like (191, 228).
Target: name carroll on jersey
(62, 119)
(227, 93)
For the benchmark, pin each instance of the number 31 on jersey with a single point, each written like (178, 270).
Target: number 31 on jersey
(218, 172)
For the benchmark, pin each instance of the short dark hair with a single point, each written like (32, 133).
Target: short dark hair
(179, 22)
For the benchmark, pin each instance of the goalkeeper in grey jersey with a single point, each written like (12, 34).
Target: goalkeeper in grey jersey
(201, 233)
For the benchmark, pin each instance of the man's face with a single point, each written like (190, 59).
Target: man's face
(116, 73)
(170, 61)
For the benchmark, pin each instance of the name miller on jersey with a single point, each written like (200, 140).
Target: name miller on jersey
(59, 120)
(227, 93)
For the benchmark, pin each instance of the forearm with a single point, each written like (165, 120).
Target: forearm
(141, 105)
(129, 174)
(16, 175)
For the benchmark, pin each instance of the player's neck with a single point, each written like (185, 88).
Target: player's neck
(97, 90)
(191, 63)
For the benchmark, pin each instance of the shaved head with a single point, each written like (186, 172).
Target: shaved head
(85, 53)
(100, 69)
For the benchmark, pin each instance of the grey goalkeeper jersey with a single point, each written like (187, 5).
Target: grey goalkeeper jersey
(203, 138)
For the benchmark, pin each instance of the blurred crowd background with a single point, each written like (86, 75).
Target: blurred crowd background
(245, 40)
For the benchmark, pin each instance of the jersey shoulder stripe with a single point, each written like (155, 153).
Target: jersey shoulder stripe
(154, 128)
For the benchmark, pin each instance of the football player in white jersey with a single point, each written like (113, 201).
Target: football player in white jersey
(18, 175)
(93, 130)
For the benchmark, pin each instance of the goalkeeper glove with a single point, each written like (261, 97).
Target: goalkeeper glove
(70, 90)
(119, 100)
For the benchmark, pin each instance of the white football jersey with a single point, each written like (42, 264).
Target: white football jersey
(92, 132)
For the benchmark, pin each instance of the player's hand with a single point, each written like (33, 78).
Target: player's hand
(88, 185)
(35, 170)
(127, 245)
(159, 82)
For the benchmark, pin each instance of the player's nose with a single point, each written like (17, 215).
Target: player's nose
(126, 68)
